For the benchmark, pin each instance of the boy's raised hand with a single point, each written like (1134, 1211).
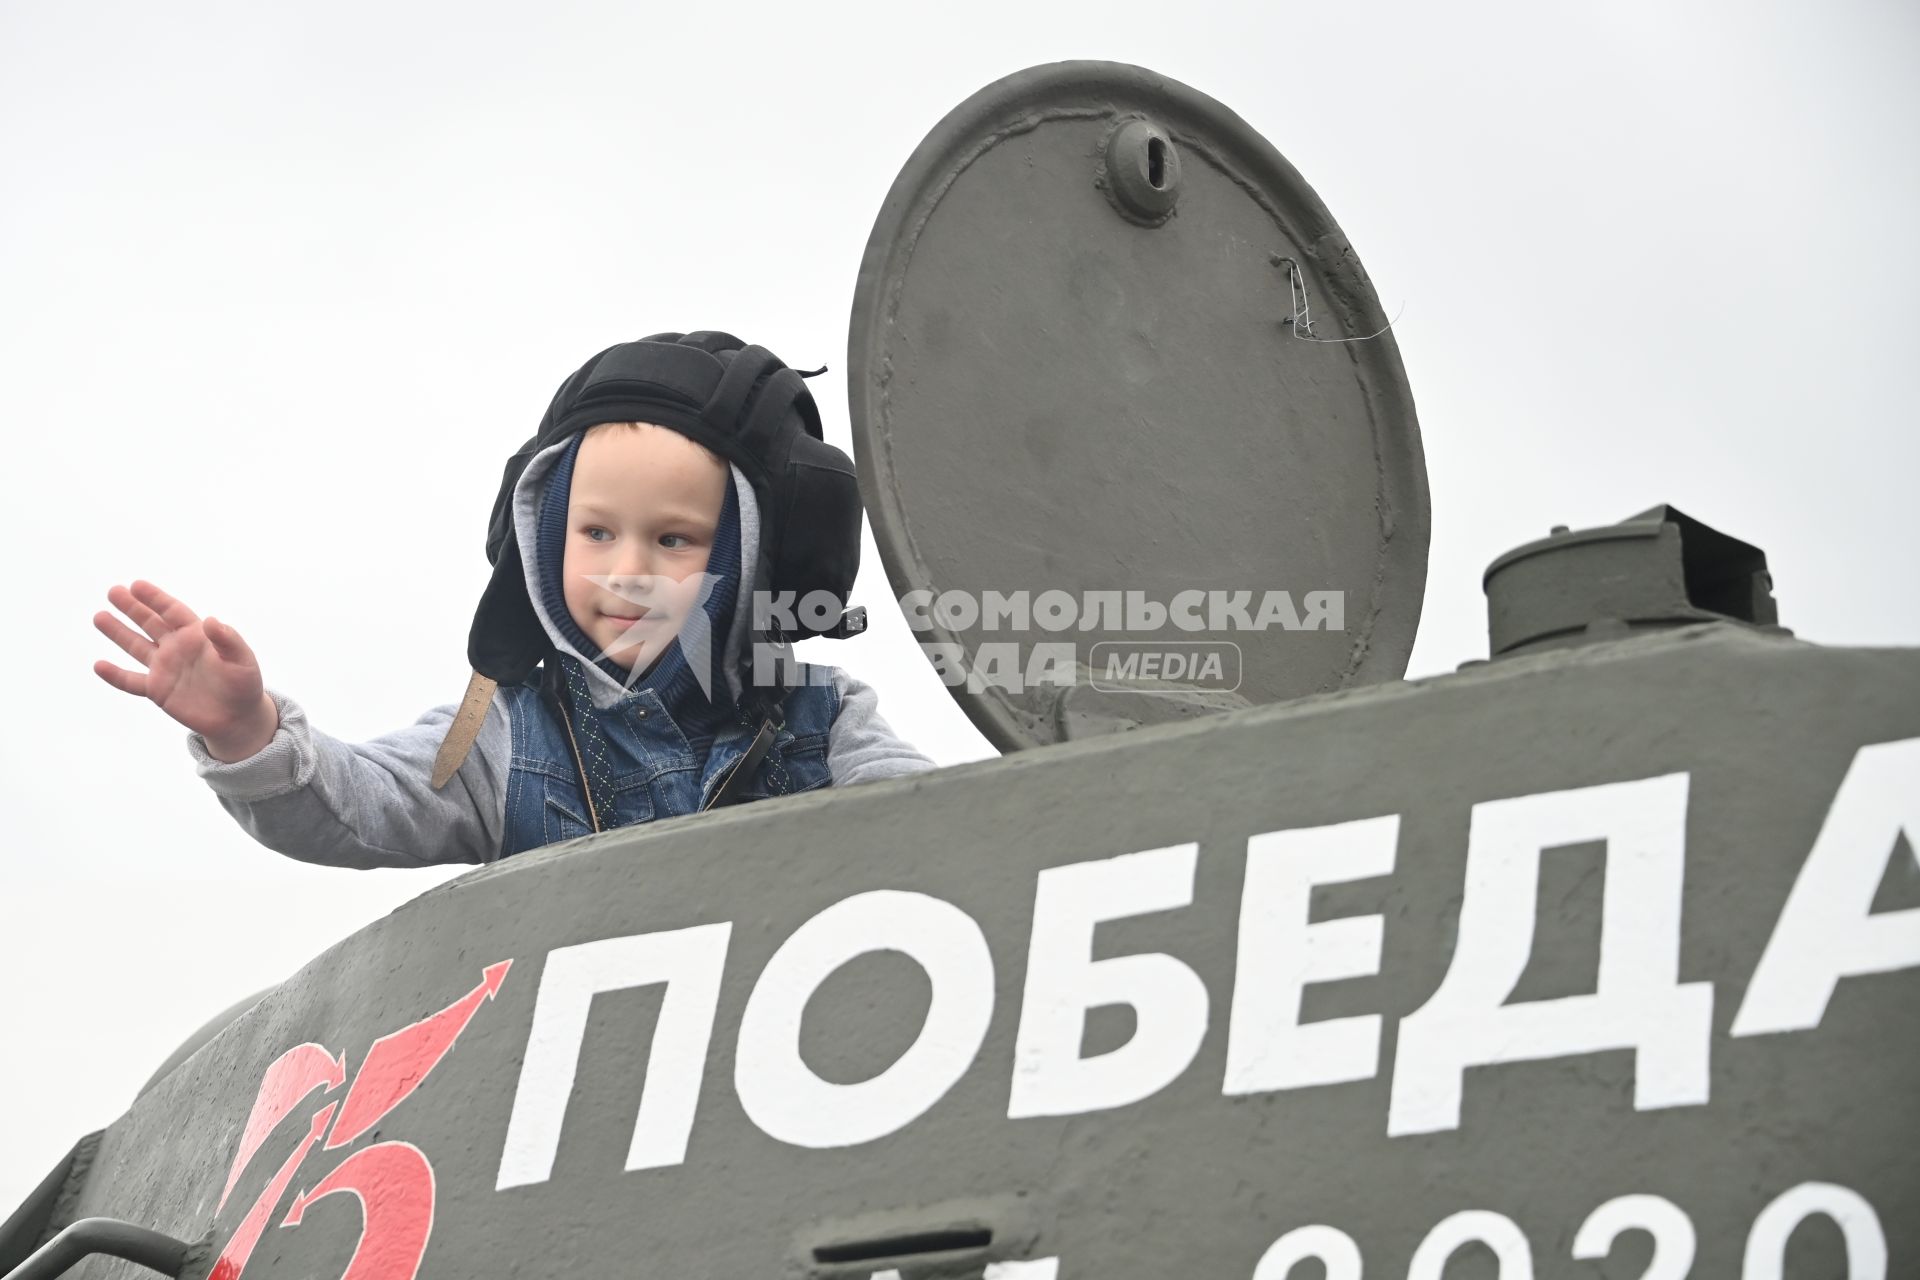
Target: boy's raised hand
(200, 672)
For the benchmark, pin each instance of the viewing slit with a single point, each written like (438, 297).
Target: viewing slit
(922, 1242)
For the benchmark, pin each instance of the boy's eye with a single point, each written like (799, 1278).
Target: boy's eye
(666, 540)
(593, 529)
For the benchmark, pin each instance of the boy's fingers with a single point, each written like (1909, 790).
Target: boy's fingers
(144, 618)
(173, 612)
(126, 637)
(226, 641)
(129, 681)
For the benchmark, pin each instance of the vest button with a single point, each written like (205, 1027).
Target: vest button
(641, 712)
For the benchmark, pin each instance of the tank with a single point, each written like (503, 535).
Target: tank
(1249, 958)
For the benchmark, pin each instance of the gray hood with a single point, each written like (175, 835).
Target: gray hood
(528, 494)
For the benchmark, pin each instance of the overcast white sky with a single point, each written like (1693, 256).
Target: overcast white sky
(281, 286)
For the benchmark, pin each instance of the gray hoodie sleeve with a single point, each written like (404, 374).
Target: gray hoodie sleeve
(862, 746)
(368, 804)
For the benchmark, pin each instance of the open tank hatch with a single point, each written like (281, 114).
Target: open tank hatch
(1131, 426)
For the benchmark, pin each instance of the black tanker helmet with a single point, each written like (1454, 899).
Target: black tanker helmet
(747, 406)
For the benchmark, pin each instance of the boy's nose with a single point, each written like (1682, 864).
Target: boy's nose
(636, 579)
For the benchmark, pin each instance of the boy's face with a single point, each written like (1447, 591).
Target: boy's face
(641, 516)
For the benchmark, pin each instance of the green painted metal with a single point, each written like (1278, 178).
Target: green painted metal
(1186, 1180)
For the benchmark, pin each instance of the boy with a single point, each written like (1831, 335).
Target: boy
(621, 671)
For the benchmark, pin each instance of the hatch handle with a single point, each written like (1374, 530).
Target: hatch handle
(107, 1236)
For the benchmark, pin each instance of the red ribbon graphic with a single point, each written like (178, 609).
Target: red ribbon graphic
(392, 1180)
(394, 1184)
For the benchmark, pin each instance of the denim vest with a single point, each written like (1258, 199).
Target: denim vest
(656, 773)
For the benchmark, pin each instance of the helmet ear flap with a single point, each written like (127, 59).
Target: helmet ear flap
(817, 535)
(812, 491)
(500, 524)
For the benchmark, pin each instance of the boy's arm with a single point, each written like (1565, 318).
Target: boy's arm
(861, 746)
(367, 804)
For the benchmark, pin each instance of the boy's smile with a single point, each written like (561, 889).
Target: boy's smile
(641, 516)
